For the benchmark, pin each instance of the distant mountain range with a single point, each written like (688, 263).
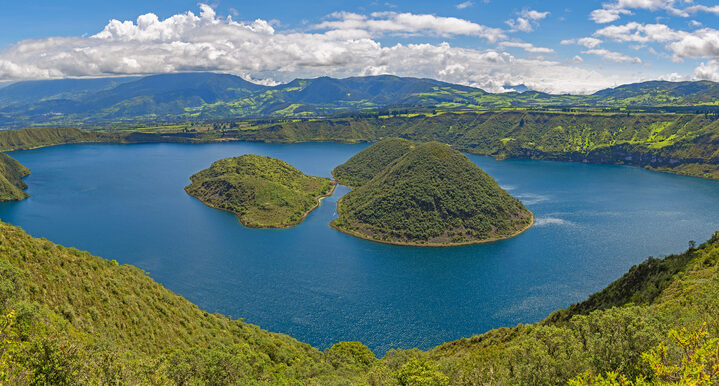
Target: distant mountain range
(216, 96)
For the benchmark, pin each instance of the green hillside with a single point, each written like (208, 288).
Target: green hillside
(432, 195)
(12, 186)
(677, 143)
(366, 164)
(262, 191)
(46, 136)
(67, 317)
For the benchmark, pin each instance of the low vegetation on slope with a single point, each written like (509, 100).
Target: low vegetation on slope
(366, 164)
(67, 317)
(45, 136)
(432, 195)
(261, 191)
(12, 186)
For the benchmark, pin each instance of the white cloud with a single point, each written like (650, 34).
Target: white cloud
(703, 43)
(640, 33)
(380, 23)
(613, 56)
(527, 47)
(464, 5)
(613, 11)
(256, 50)
(674, 77)
(603, 16)
(588, 42)
(520, 24)
(534, 15)
(707, 71)
(528, 20)
(702, 8)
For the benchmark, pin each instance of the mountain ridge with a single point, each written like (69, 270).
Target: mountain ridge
(204, 95)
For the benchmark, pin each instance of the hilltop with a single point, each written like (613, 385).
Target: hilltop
(432, 195)
(263, 192)
(366, 164)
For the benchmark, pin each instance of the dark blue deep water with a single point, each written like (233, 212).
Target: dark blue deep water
(593, 222)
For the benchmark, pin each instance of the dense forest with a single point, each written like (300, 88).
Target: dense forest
(366, 164)
(432, 195)
(69, 317)
(262, 191)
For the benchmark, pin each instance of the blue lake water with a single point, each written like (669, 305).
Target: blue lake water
(593, 222)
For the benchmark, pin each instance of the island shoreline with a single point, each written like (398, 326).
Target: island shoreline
(318, 200)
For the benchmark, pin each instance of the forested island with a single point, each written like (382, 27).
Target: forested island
(263, 192)
(425, 194)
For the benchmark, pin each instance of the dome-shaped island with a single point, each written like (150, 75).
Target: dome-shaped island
(263, 192)
(424, 194)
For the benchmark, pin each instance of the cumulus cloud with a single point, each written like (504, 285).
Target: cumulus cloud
(260, 52)
(526, 22)
(707, 71)
(603, 16)
(640, 33)
(613, 56)
(613, 11)
(380, 23)
(698, 44)
(588, 42)
(527, 47)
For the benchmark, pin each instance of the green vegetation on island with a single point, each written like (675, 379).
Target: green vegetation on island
(12, 187)
(432, 195)
(67, 317)
(366, 164)
(262, 191)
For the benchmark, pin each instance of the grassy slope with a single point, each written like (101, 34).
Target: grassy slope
(84, 319)
(11, 173)
(432, 195)
(366, 164)
(41, 137)
(262, 191)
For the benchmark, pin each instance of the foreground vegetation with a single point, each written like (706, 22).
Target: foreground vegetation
(430, 195)
(262, 191)
(67, 317)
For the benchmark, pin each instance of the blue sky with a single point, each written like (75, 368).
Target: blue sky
(554, 46)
